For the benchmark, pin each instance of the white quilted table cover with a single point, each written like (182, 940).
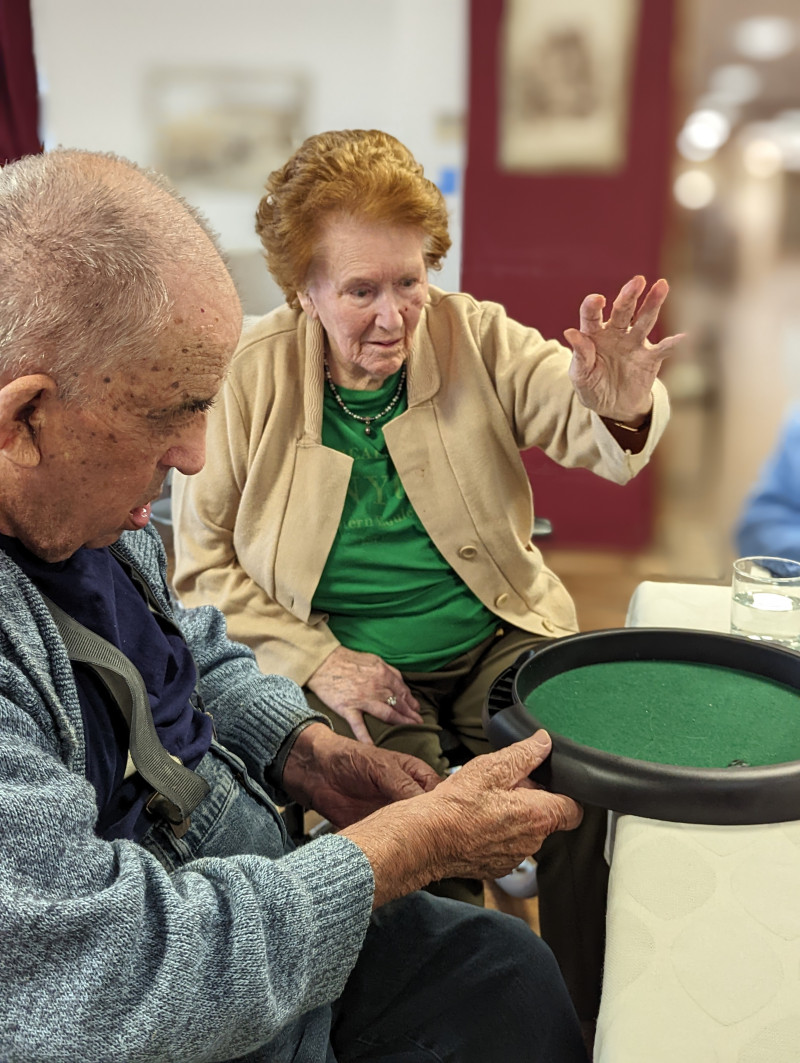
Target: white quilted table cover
(703, 944)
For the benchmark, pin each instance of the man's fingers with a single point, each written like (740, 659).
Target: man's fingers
(401, 784)
(568, 813)
(509, 766)
(427, 778)
(529, 754)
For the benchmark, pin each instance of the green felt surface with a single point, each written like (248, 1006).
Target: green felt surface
(672, 712)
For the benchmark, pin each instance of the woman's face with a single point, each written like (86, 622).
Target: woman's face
(367, 287)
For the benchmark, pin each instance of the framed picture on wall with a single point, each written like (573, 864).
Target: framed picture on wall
(565, 84)
(224, 128)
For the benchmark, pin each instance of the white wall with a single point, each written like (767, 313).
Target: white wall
(389, 64)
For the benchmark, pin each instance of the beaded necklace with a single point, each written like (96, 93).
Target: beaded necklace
(366, 421)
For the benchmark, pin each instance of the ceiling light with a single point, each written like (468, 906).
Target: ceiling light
(735, 83)
(690, 151)
(694, 189)
(707, 130)
(764, 37)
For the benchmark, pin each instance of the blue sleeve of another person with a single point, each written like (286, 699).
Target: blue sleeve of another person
(770, 521)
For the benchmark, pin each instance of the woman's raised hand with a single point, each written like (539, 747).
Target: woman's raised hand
(613, 363)
(353, 683)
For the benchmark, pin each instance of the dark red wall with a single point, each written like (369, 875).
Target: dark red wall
(539, 244)
(19, 103)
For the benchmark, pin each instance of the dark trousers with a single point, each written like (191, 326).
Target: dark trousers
(435, 980)
(571, 870)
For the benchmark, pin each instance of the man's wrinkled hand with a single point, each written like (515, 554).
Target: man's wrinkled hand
(481, 822)
(495, 817)
(344, 780)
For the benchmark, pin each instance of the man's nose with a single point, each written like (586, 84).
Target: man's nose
(188, 455)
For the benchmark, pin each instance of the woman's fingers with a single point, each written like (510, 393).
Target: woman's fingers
(646, 316)
(624, 313)
(356, 721)
(409, 706)
(382, 710)
(666, 346)
(623, 308)
(591, 314)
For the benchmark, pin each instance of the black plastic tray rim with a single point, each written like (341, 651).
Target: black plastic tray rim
(730, 796)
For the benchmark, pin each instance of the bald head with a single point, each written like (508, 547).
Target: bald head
(95, 254)
(118, 320)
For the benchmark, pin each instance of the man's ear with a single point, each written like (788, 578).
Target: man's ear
(22, 406)
(307, 303)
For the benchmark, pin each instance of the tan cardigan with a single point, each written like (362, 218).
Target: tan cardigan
(254, 528)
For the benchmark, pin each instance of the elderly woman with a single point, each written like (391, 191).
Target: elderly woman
(364, 518)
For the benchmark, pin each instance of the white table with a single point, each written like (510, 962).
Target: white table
(703, 943)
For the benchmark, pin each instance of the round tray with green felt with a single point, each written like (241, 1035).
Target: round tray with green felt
(688, 726)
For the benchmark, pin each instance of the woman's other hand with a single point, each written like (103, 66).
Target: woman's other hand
(352, 683)
(613, 363)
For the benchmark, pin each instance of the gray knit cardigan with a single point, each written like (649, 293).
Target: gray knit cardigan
(104, 955)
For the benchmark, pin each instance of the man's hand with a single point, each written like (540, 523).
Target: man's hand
(344, 780)
(352, 683)
(613, 364)
(480, 823)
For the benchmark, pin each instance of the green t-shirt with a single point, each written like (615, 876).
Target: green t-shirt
(386, 587)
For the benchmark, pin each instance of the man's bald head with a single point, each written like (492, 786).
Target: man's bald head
(94, 252)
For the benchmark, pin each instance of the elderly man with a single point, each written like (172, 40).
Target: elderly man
(152, 908)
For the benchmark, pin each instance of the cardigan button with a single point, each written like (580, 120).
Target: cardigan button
(467, 552)
(501, 600)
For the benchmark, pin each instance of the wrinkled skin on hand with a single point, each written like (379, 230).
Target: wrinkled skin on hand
(353, 683)
(613, 363)
(479, 823)
(345, 781)
(496, 816)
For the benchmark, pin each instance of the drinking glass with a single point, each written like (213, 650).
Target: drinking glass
(765, 600)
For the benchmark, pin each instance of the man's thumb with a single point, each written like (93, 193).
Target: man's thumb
(525, 756)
